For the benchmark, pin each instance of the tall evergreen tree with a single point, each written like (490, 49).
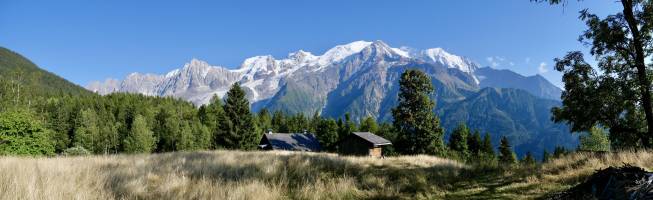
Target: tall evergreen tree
(506, 155)
(279, 122)
(264, 120)
(418, 126)
(458, 140)
(486, 146)
(239, 126)
(474, 143)
(140, 139)
(546, 156)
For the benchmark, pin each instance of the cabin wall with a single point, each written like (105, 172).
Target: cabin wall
(376, 152)
(353, 146)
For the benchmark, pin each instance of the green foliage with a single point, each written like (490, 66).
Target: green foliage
(279, 122)
(560, 151)
(595, 140)
(616, 94)
(346, 127)
(418, 127)
(486, 146)
(76, 151)
(327, 134)
(474, 142)
(368, 124)
(22, 134)
(506, 155)
(546, 156)
(264, 120)
(87, 131)
(458, 141)
(528, 160)
(239, 130)
(140, 138)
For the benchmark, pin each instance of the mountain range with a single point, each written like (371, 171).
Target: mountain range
(361, 78)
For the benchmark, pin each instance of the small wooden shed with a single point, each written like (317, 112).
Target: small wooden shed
(362, 144)
(289, 142)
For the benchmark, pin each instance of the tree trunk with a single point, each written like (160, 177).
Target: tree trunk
(644, 83)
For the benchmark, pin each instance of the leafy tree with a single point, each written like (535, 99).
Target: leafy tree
(87, 131)
(418, 126)
(297, 123)
(239, 128)
(387, 131)
(506, 156)
(21, 134)
(528, 160)
(618, 97)
(458, 140)
(327, 134)
(368, 124)
(140, 139)
(595, 140)
(168, 130)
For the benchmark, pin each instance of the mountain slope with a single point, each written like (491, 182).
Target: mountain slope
(14, 69)
(503, 78)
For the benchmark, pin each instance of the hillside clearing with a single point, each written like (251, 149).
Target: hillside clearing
(289, 175)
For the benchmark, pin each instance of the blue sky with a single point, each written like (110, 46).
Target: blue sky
(86, 40)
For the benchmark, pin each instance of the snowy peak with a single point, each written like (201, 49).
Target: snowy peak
(440, 56)
(340, 52)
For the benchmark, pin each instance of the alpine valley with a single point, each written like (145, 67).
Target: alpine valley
(361, 78)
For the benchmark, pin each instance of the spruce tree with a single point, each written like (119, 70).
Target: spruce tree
(506, 155)
(458, 140)
(474, 143)
(347, 127)
(239, 126)
(140, 138)
(264, 120)
(529, 160)
(546, 156)
(279, 122)
(486, 146)
(414, 119)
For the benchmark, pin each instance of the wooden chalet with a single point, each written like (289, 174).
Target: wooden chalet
(362, 144)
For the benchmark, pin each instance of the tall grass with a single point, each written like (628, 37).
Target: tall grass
(226, 175)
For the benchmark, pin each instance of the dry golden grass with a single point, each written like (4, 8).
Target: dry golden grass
(291, 175)
(225, 175)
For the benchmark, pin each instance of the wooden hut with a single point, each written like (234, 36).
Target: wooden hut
(289, 142)
(362, 144)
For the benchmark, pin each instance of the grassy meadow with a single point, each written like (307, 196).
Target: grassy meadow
(291, 175)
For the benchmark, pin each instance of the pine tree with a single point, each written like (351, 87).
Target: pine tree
(347, 127)
(279, 122)
(87, 130)
(314, 122)
(239, 126)
(546, 156)
(506, 156)
(418, 126)
(264, 120)
(486, 146)
(368, 124)
(529, 160)
(474, 143)
(458, 140)
(140, 139)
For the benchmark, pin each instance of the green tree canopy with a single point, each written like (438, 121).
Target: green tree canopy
(239, 130)
(458, 140)
(22, 134)
(140, 139)
(417, 125)
(595, 140)
(506, 155)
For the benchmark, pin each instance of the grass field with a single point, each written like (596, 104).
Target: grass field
(286, 175)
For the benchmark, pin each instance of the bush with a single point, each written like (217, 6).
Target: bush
(76, 151)
(21, 134)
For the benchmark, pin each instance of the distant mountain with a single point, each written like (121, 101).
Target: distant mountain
(34, 80)
(361, 78)
(503, 78)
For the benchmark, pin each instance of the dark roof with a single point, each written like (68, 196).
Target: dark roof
(293, 141)
(374, 139)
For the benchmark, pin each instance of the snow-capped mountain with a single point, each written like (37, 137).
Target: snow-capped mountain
(361, 78)
(262, 76)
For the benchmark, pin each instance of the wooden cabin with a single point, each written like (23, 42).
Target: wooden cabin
(290, 142)
(362, 144)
